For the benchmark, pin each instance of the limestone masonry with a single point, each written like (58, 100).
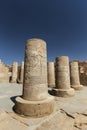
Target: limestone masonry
(51, 74)
(74, 76)
(14, 72)
(7, 75)
(21, 73)
(45, 86)
(4, 73)
(35, 100)
(63, 78)
(36, 74)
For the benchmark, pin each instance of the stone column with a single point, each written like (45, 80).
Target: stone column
(51, 74)
(14, 72)
(81, 70)
(21, 74)
(74, 76)
(35, 100)
(63, 78)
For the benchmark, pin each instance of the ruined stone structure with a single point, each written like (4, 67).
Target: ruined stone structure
(35, 101)
(14, 72)
(51, 74)
(63, 78)
(21, 73)
(4, 73)
(74, 76)
(83, 72)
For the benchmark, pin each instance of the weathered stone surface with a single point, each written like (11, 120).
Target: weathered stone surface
(83, 72)
(14, 72)
(35, 75)
(63, 77)
(64, 92)
(74, 76)
(4, 73)
(60, 121)
(21, 74)
(71, 113)
(35, 97)
(35, 108)
(8, 123)
(51, 74)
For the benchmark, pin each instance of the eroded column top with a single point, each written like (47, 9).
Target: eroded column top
(62, 60)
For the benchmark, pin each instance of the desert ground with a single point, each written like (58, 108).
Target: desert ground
(71, 112)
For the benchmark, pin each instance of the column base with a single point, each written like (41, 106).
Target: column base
(77, 87)
(64, 92)
(35, 108)
(20, 82)
(13, 82)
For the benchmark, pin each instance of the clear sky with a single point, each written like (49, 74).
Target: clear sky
(61, 23)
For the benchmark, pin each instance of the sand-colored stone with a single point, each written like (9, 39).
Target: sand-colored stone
(35, 73)
(34, 108)
(83, 72)
(74, 76)
(51, 74)
(21, 74)
(71, 113)
(14, 72)
(35, 100)
(4, 73)
(8, 123)
(63, 78)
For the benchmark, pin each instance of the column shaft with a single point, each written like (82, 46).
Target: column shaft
(51, 74)
(74, 76)
(35, 100)
(35, 70)
(63, 77)
(14, 72)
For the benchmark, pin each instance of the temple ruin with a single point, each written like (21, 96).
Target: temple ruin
(74, 76)
(48, 91)
(63, 87)
(51, 74)
(4, 73)
(8, 73)
(35, 100)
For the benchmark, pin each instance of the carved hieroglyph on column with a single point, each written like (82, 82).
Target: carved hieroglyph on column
(21, 74)
(74, 76)
(51, 74)
(63, 78)
(35, 101)
(14, 72)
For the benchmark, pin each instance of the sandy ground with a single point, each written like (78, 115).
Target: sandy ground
(71, 113)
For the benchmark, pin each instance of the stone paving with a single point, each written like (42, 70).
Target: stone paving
(71, 112)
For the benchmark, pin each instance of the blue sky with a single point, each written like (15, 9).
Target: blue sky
(61, 23)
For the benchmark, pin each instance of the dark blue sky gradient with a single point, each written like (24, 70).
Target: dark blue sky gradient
(61, 23)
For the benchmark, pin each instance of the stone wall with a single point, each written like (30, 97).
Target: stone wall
(83, 72)
(4, 73)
